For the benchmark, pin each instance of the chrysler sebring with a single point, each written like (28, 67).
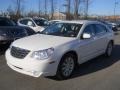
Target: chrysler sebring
(58, 49)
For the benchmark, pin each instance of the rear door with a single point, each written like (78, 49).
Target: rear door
(100, 37)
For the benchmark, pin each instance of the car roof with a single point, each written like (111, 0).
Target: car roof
(55, 20)
(33, 18)
(4, 18)
(79, 21)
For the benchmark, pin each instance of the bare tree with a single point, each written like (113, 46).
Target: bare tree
(39, 7)
(52, 8)
(68, 5)
(76, 8)
(45, 7)
(18, 7)
(10, 11)
(87, 4)
(32, 13)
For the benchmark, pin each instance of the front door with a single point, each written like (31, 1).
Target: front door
(87, 47)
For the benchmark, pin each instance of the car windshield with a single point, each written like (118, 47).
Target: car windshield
(6, 22)
(41, 22)
(63, 29)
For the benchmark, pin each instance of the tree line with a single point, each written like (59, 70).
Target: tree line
(73, 9)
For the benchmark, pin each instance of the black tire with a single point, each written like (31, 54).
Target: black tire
(61, 68)
(109, 49)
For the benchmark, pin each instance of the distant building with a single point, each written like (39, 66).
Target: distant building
(58, 15)
(112, 17)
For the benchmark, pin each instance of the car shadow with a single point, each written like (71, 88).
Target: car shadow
(3, 48)
(96, 64)
(116, 33)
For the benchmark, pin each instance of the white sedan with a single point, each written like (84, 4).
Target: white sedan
(37, 24)
(59, 48)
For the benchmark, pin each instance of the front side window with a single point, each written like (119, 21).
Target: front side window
(89, 30)
(63, 29)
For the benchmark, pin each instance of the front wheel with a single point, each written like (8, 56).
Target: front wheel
(66, 67)
(109, 49)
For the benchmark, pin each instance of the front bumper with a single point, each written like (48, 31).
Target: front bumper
(30, 66)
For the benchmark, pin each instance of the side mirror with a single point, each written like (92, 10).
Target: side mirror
(86, 36)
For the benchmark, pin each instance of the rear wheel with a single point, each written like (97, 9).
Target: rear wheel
(109, 49)
(66, 67)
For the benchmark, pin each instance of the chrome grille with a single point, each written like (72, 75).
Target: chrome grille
(18, 52)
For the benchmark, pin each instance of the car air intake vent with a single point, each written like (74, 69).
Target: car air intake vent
(18, 52)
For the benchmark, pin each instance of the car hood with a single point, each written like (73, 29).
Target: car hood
(12, 31)
(40, 42)
(38, 28)
(5, 28)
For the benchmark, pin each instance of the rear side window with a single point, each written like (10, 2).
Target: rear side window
(100, 29)
(105, 28)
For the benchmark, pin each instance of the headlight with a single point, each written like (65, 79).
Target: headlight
(42, 54)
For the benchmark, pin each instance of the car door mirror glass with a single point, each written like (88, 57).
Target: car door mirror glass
(86, 36)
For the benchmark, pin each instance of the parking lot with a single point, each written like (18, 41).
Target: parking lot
(98, 74)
